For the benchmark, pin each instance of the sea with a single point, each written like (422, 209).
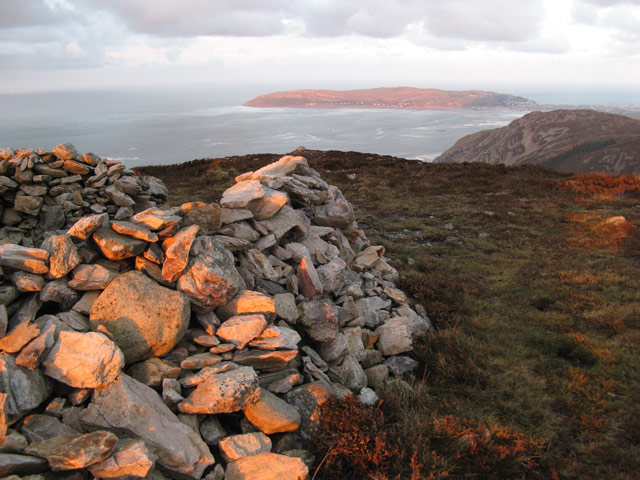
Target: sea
(175, 124)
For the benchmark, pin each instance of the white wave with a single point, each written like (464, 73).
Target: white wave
(426, 157)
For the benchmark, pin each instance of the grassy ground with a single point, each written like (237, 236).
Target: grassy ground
(533, 369)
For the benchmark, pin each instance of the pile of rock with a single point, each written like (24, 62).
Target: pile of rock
(133, 348)
(44, 191)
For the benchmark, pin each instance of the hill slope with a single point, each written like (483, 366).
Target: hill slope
(567, 140)
(532, 289)
(396, 97)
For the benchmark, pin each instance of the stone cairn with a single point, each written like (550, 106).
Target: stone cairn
(135, 341)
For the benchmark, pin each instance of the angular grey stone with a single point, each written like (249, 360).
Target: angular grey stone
(134, 230)
(211, 430)
(331, 275)
(12, 442)
(19, 336)
(395, 336)
(130, 458)
(240, 231)
(91, 277)
(84, 228)
(37, 428)
(58, 291)
(234, 447)
(70, 452)
(308, 399)
(224, 393)
(199, 361)
(334, 349)
(83, 306)
(276, 338)
(233, 244)
(368, 309)
(65, 151)
(377, 375)
(136, 410)
(232, 215)
(286, 307)
(52, 218)
(115, 246)
(4, 320)
(205, 215)
(267, 466)
(286, 219)
(211, 278)
(242, 329)
(399, 365)
(153, 371)
(26, 389)
(265, 360)
(199, 377)
(320, 317)
(63, 255)
(75, 321)
(32, 260)
(271, 414)
(119, 198)
(15, 464)
(349, 373)
(156, 219)
(240, 194)
(268, 205)
(32, 355)
(28, 204)
(27, 282)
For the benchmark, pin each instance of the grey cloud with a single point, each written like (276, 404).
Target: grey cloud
(612, 3)
(19, 13)
(192, 18)
(491, 20)
(466, 19)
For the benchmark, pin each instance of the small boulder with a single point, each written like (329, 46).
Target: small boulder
(241, 329)
(223, 393)
(130, 457)
(237, 446)
(271, 414)
(84, 360)
(71, 452)
(267, 466)
(144, 318)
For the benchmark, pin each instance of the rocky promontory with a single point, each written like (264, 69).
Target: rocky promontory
(198, 341)
(568, 140)
(396, 97)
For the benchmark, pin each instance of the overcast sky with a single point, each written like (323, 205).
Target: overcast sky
(490, 44)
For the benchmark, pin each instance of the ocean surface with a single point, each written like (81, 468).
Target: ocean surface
(174, 125)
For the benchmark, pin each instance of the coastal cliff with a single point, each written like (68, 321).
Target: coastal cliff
(566, 140)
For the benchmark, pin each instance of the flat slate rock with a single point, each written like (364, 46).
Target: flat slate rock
(115, 246)
(31, 260)
(137, 411)
(267, 466)
(70, 452)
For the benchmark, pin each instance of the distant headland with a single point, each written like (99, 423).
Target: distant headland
(395, 97)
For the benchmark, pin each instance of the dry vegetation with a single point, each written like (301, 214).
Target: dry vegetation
(532, 371)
